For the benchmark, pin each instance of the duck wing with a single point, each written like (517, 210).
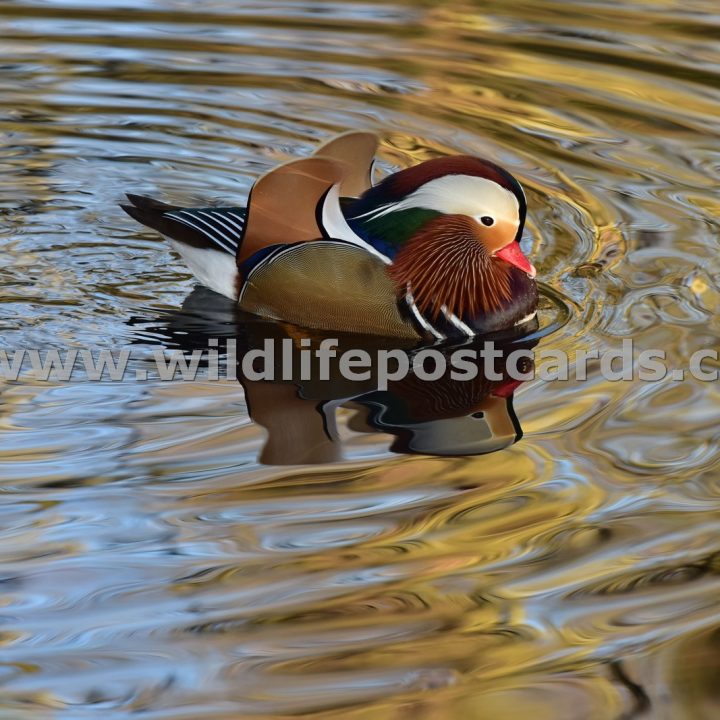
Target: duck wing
(283, 204)
(356, 150)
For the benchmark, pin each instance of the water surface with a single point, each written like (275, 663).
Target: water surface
(152, 566)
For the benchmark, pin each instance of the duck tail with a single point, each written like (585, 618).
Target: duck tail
(206, 238)
(285, 207)
(151, 212)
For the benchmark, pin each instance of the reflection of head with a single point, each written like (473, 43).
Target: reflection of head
(485, 431)
(446, 417)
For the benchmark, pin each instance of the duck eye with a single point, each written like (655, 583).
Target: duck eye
(487, 220)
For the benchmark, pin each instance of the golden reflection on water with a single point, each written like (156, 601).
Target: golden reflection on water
(151, 564)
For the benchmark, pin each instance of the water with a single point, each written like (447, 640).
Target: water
(152, 566)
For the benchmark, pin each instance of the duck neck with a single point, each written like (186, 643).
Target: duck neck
(386, 230)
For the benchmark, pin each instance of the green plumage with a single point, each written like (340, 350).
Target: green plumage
(389, 232)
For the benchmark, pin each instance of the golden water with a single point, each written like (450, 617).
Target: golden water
(149, 564)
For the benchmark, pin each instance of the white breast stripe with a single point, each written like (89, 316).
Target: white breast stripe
(187, 222)
(457, 322)
(421, 320)
(527, 318)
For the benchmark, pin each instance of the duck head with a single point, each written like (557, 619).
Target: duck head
(451, 228)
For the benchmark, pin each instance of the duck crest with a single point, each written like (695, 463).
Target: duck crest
(446, 269)
(399, 185)
(404, 182)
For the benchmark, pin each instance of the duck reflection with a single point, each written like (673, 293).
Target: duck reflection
(445, 416)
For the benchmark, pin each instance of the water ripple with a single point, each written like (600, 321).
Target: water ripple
(151, 565)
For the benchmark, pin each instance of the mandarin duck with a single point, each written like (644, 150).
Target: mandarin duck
(431, 252)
